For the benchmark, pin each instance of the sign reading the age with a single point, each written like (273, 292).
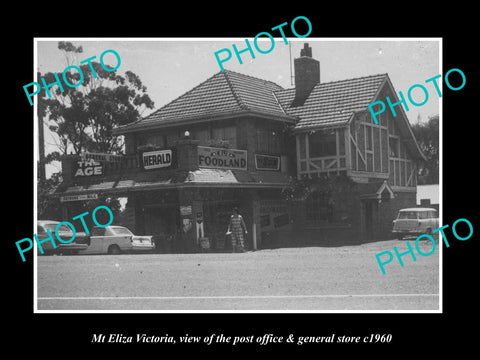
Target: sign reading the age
(88, 167)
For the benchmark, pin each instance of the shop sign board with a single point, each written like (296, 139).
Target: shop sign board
(186, 210)
(267, 162)
(157, 159)
(102, 157)
(219, 158)
(78, 197)
(88, 167)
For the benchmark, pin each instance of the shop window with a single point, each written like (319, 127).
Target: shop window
(157, 140)
(228, 133)
(267, 142)
(203, 136)
(172, 138)
(322, 144)
(303, 147)
(322, 209)
(394, 145)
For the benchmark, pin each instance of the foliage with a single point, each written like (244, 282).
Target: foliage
(427, 135)
(86, 114)
(218, 143)
(48, 208)
(300, 189)
(102, 216)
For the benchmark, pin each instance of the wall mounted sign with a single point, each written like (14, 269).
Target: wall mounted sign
(219, 158)
(87, 167)
(186, 210)
(157, 159)
(281, 220)
(267, 162)
(102, 157)
(78, 197)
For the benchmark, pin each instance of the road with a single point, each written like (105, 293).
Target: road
(292, 279)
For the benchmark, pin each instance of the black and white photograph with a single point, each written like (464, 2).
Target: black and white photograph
(300, 181)
(245, 181)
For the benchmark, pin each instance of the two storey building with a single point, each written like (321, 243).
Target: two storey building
(240, 141)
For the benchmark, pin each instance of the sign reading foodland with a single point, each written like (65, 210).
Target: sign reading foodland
(222, 158)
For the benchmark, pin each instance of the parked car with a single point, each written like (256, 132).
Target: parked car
(115, 240)
(65, 233)
(415, 221)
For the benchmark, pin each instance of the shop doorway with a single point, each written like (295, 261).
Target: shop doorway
(216, 215)
(162, 221)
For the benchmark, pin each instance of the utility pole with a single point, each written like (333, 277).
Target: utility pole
(41, 141)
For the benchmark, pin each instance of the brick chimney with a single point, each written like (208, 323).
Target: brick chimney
(187, 154)
(307, 75)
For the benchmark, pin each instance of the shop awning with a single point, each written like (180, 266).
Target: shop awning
(203, 177)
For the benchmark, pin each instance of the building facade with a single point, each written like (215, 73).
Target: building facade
(305, 165)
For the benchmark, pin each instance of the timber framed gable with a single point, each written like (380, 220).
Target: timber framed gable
(362, 149)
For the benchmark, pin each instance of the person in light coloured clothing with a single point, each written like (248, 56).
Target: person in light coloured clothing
(236, 227)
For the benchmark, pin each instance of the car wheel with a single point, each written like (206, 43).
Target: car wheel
(400, 236)
(429, 231)
(113, 250)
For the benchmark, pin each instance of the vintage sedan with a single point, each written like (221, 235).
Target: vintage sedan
(116, 239)
(65, 233)
(415, 221)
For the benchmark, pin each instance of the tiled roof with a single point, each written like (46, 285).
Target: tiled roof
(224, 93)
(332, 103)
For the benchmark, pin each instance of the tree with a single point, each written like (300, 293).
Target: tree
(301, 188)
(427, 135)
(87, 114)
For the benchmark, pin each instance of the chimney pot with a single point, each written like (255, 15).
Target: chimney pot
(307, 75)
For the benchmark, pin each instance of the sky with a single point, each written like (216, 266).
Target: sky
(169, 67)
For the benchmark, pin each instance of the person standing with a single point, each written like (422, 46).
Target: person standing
(236, 227)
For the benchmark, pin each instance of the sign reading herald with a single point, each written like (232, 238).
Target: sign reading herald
(267, 162)
(222, 158)
(157, 159)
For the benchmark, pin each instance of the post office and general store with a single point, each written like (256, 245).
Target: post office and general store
(238, 140)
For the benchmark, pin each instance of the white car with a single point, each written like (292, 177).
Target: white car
(415, 221)
(115, 240)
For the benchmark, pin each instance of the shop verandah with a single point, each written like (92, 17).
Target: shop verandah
(195, 218)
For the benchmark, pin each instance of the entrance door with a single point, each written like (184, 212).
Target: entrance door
(162, 222)
(216, 216)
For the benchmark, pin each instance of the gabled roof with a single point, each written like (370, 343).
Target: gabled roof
(332, 103)
(226, 93)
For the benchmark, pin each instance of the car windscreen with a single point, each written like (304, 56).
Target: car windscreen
(120, 231)
(61, 228)
(408, 215)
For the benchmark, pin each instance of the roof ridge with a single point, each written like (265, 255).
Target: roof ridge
(257, 78)
(279, 103)
(237, 97)
(356, 78)
(338, 81)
